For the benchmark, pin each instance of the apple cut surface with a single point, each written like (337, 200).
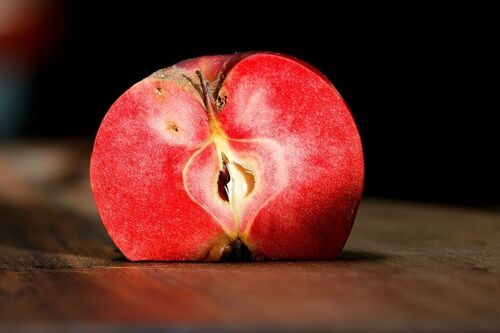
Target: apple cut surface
(241, 157)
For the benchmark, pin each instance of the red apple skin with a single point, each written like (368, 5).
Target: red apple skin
(155, 165)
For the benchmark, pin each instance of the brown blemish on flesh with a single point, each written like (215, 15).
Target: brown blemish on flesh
(159, 91)
(221, 99)
(171, 126)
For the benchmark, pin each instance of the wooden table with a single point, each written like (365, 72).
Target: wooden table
(407, 267)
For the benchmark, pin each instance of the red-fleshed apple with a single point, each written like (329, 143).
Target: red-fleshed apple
(238, 157)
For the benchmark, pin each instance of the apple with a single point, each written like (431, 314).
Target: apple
(251, 156)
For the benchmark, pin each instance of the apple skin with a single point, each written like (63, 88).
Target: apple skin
(157, 161)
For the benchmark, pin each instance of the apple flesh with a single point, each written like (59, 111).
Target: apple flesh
(242, 157)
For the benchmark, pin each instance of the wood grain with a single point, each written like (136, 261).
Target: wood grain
(406, 267)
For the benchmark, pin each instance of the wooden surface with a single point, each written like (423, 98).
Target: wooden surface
(407, 267)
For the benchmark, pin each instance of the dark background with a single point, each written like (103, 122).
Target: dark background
(420, 81)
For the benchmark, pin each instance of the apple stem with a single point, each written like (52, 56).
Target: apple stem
(196, 86)
(206, 96)
(209, 104)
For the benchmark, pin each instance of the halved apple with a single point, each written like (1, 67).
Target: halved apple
(247, 156)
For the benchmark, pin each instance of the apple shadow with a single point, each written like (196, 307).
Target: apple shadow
(41, 236)
(360, 256)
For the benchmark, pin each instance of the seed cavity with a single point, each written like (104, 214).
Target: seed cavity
(235, 182)
(222, 181)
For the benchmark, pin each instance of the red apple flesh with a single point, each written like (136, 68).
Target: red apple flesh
(239, 157)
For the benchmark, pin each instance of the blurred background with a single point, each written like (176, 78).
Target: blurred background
(422, 85)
